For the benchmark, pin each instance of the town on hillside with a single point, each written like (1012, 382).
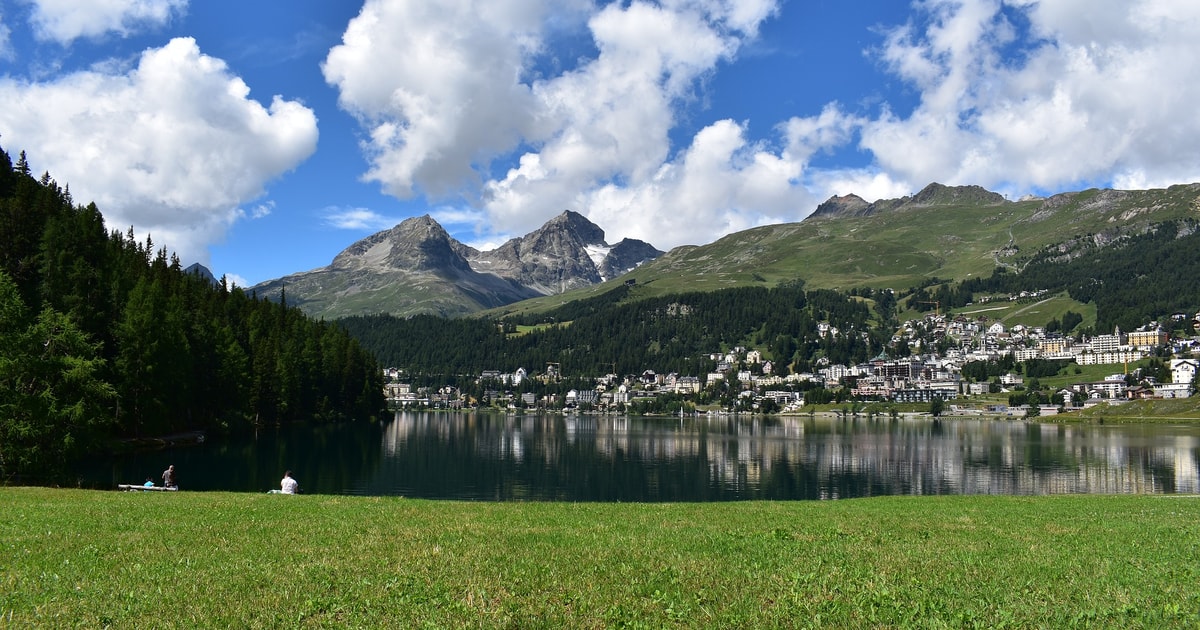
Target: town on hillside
(985, 360)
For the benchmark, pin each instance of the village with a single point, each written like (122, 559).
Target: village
(924, 377)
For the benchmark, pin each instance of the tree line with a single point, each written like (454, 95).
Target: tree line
(104, 337)
(673, 333)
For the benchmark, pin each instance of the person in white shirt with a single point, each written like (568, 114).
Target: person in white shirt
(289, 485)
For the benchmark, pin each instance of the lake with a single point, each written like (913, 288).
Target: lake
(496, 457)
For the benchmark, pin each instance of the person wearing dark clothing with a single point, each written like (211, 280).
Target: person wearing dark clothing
(169, 477)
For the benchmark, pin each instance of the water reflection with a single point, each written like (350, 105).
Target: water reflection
(607, 458)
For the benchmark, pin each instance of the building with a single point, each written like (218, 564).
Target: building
(901, 369)
(1106, 343)
(1105, 358)
(582, 397)
(1183, 370)
(1011, 380)
(1172, 390)
(924, 394)
(1055, 347)
(1147, 339)
(1109, 388)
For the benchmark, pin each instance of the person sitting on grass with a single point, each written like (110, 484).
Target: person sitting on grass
(288, 485)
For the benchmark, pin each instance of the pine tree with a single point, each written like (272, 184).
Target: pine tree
(53, 400)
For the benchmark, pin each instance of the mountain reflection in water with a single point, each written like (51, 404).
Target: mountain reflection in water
(481, 456)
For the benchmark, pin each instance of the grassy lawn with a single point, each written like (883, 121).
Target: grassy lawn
(95, 559)
(1179, 411)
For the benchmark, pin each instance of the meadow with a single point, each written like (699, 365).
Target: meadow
(109, 559)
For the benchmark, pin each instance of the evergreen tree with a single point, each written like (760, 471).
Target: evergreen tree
(53, 401)
(124, 343)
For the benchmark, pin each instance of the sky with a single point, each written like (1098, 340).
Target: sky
(261, 138)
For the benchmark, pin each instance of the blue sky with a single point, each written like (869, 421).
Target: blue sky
(261, 138)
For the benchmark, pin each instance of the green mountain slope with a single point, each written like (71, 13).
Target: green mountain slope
(942, 232)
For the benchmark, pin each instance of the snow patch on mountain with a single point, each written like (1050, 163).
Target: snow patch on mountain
(597, 253)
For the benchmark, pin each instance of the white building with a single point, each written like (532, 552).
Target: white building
(1173, 390)
(1183, 370)
(1106, 343)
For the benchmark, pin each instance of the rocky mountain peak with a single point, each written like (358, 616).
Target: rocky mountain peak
(576, 225)
(567, 252)
(417, 266)
(415, 244)
(625, 257)
(841, 206)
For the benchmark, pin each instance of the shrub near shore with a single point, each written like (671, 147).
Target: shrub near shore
(93, 559)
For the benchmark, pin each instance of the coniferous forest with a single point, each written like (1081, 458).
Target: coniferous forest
(103, 337)
(674, 333)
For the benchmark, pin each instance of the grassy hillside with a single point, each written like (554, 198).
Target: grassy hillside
(897, 247)
(104, 559)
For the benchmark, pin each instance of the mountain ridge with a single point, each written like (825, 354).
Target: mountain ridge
(417, 267)
(949, 232)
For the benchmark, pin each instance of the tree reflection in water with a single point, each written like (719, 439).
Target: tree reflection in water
(720, 458)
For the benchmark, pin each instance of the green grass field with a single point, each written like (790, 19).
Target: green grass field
(71, 558)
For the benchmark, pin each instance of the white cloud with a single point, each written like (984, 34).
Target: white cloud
(261, 210)
(612, 116)
(721, 184)
(235, 280)
(66, 20)
(438, 86)
(1013, 95)
(358, 219)
(1103, 92)
(443, 93)
(172, 147)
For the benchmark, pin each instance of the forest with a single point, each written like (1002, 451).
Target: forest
(103, 337)
(674, 333)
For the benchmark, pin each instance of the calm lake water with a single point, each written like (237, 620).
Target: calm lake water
(607, 458)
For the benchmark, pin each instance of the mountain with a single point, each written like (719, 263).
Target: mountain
(203, 272)
(945, 232)
(568, 252)
(417, 267)
(932, 195)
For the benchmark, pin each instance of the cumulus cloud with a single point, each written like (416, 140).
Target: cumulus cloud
(1103, 92)
(172, 146)
(1015, 95)
(444, 93)
(612, 116)
(64, 21)
(439, 86)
